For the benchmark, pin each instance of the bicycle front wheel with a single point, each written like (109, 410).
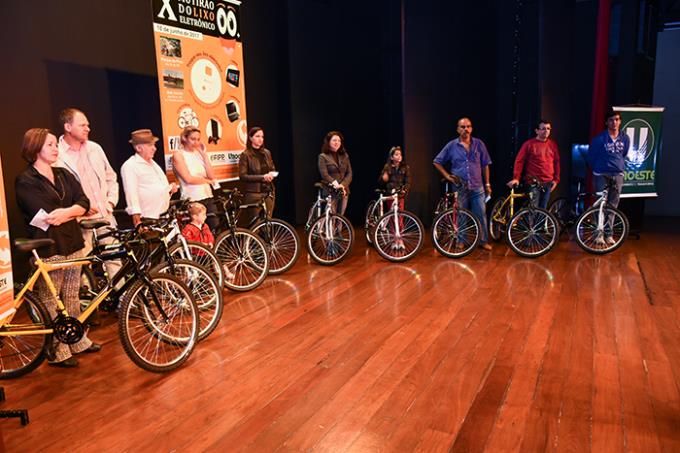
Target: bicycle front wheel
(203, 287)
(498, 220)
(532, 232)
(283, 243)
(398, 238)
(603, 234)
(21, 352)
(200, 254)
(244, 258)
(330, 240)
(456, 233)
(158, 337)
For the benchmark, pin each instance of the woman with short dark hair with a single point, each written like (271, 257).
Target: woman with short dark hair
(55, 191)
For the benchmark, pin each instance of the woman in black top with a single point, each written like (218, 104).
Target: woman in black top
(56, 192)
(335, 168)
(257, 171)
(396, 175)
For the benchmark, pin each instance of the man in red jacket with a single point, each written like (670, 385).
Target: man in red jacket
(538, 159)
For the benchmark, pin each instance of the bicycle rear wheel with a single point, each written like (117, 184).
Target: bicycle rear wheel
(21, 354)
(283, 243)
(369, 221)
(455, 234)
(402, 247)
(498, 220)
(204, 288)
(563, 212)
(244, 258)
(593, 238)
(532, 232)
(155, 342)
(329, 242)
(201, 254)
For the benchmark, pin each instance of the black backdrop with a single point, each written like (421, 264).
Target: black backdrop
(383, 72)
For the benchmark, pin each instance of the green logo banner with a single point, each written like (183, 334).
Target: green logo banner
(643, 127)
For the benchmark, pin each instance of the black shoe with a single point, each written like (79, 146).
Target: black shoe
(71, 362)
(94, 347)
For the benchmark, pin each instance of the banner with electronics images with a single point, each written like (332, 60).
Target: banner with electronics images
(199, 58)
(6, 281)
(643, 127)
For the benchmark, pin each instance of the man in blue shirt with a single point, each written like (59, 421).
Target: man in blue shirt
(607, 158)
(465, 162)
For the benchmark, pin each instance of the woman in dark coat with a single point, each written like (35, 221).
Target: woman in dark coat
(335, 169)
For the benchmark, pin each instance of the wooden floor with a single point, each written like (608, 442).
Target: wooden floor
(569, 352)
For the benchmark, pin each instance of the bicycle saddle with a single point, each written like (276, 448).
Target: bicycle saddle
(93, 224)
(26, 245)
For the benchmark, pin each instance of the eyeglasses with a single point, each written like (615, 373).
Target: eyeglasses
(545, 128)
(465, 127)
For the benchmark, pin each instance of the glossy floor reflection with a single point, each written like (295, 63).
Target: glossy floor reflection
(493, 352)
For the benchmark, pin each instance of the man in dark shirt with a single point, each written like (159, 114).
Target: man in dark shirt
(467, 160)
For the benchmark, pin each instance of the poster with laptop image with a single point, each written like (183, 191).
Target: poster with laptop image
(199, 60)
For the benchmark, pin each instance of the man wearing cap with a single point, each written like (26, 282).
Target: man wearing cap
(147, 190)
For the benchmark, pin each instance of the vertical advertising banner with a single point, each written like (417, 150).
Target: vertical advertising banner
(643, 127)
(199, 58)
(6, 281)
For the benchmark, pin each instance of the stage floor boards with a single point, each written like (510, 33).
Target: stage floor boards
(569, 352)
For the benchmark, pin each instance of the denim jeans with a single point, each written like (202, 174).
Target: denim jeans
(473, 199)
(600, 182)
(541, 194)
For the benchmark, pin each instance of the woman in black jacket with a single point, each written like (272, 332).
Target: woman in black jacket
(257, 172)
(54, 194)
(396, 175)
(335, 168)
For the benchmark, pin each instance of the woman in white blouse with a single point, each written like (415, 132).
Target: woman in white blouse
(196, 176)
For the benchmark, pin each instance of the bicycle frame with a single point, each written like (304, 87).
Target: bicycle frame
(44, 268)
(394, 209)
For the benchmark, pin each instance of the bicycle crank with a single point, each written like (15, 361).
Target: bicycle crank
(68, 329)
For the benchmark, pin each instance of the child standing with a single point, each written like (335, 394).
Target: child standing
(197, 230)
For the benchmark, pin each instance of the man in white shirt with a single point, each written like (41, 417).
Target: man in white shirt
(147, 190)
(89, 164)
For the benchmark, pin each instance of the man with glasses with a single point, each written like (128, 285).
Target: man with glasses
(538, 160)
(467, 166)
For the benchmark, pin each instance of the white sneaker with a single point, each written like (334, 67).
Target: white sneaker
(600, 241)
(610, 240)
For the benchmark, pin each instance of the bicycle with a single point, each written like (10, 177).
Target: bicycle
(397, 234)
(533, 231)
(244, 256)
(455, 230)
(329, 235)
(280, 237)
(602, 228)
(158, 318)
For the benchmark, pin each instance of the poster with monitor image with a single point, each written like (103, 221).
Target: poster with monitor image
(6, 282)
(199, 59)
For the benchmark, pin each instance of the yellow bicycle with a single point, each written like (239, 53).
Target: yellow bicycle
(158, 318)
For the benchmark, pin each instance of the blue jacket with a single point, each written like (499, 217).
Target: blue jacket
(607, 156)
